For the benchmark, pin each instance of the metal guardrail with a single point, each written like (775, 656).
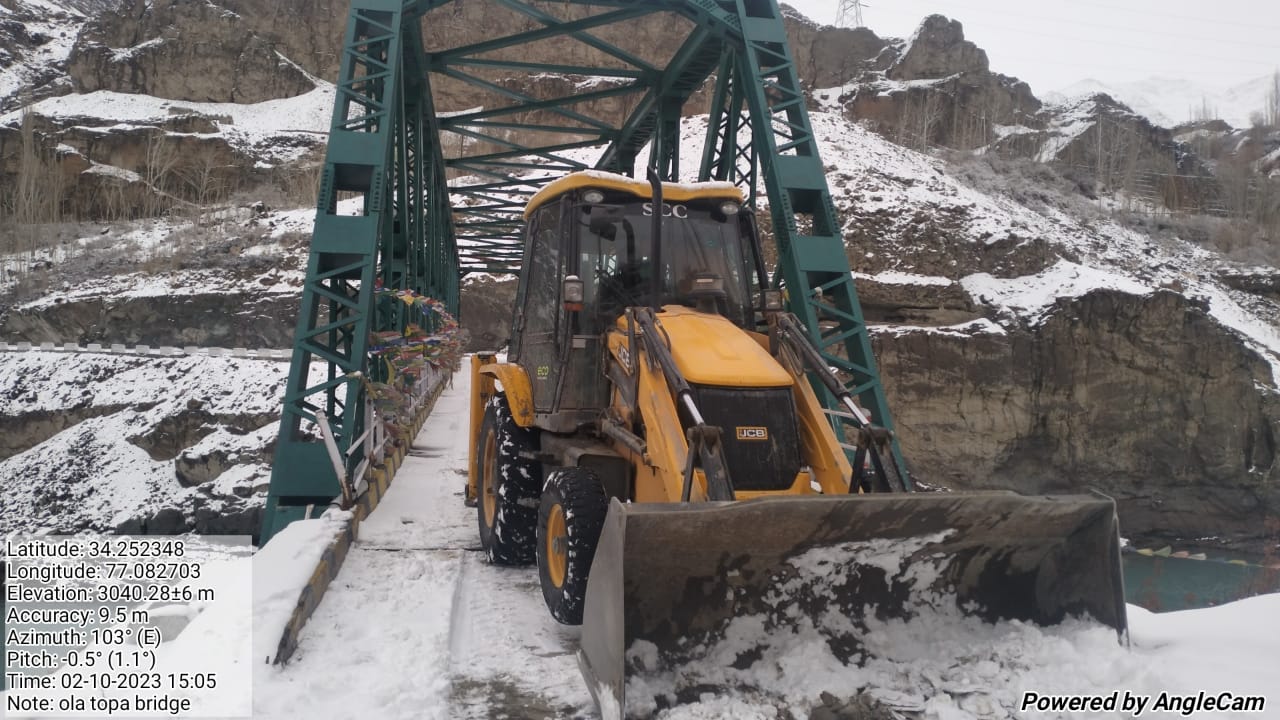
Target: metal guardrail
(277, 354)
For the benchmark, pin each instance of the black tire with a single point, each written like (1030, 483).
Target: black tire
(577, 495)
(508, 487)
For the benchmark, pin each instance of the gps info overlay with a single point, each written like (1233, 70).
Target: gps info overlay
(118, 626)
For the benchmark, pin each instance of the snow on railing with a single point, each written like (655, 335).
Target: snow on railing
(278, 354)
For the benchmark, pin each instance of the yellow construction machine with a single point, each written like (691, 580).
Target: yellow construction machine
(654, 442)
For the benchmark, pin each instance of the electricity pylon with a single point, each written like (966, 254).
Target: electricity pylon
(850, 14)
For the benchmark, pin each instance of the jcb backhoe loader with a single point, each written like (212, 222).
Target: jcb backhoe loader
(655, 443)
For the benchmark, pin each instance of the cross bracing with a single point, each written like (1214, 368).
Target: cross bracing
(443, 139)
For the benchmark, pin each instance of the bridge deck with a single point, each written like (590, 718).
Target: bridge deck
(417, 624)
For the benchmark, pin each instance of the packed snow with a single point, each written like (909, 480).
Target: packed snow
(417, 625)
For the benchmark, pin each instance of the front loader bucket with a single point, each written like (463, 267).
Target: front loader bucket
(668, 580)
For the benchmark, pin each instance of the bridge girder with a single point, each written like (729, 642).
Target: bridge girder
(439, 192)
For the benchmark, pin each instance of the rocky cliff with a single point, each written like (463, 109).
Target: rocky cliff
(182, 51)
(1144, 398)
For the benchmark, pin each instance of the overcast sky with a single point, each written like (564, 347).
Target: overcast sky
(1213, 43)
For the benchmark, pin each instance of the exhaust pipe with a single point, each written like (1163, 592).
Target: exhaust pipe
(655, 184)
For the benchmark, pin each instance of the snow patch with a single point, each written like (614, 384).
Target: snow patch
(981, 326)
(1031, 295)
(894, 277)
(254, 129)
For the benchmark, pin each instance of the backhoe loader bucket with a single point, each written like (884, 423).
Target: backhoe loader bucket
(670, 582)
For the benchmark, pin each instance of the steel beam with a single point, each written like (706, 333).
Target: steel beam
(429, 216)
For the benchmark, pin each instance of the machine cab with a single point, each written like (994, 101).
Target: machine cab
(599, 227)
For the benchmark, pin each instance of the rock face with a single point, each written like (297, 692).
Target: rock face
(486, 306)
(34, 39)
(827, 56)
(906, 302)
(1124, 150)
(205, 320)
(938, 49)
(193, 51)
(110, 170)
(937, 88)
(1146, 399)
(137, 444)
(23, 431)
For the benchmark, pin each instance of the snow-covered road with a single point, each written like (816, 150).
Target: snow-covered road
(417, 625)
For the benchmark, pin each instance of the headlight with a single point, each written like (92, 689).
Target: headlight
(729, 207)
(593, 197)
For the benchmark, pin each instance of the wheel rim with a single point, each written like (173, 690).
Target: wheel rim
(489, 494)
(557, 546)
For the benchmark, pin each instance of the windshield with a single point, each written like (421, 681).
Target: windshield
(616, 251)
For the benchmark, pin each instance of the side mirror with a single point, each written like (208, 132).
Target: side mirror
(604, 216)
(572, 293)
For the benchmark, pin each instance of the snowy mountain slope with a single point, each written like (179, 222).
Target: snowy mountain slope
(1014, 255)
(1169, 101)
(130, 442)
(36, 37)
(894, 197)
(896, 194)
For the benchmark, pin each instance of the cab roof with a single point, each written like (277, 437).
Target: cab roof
(682, 192)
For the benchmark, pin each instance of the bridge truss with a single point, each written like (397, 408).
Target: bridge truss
(435, 146)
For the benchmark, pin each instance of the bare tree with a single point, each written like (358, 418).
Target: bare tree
(158, 168)
(37, 192)
(205, 184)
(921, 113)
(1271, 108)
(1204, 112)
(301, 182)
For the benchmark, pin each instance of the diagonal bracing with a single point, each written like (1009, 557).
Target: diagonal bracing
(418, 191)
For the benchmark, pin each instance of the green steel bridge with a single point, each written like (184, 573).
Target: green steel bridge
(440, 190)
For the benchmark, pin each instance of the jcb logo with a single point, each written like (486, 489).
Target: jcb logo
(752, 432)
